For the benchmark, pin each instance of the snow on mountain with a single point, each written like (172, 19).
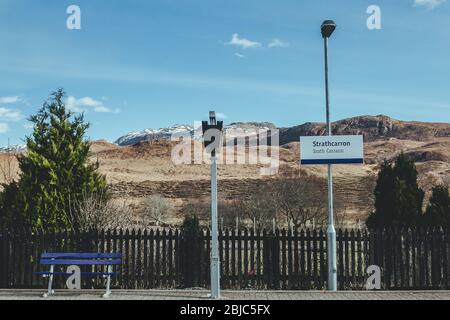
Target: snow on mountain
(13, 149)
(233, 130)
(155, 134)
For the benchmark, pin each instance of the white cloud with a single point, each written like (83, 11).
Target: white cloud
(10, 99)
(88, 103)
(429, 4)
(4, 127)
(242, 42)
(10, 115)
(277, 43)
(239, 55)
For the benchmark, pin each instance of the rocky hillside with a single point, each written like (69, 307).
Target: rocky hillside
(372, 127)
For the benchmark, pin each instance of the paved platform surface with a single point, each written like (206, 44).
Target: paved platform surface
(226, 295)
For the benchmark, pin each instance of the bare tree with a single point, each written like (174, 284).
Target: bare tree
(341, 214)
(261, 207)
(97, 212)
(9, 167)
(229, 212)
(300, 197)
(157, 210)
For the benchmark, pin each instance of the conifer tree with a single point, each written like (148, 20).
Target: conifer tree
(383, 214)
(398, 197)
(55, 170)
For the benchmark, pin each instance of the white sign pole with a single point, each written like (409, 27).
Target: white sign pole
(330, 150)
(331, 232)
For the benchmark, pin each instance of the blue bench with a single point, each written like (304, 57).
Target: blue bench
(68, 259)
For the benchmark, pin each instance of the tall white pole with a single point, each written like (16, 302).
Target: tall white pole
(331, 232)
(215, 263)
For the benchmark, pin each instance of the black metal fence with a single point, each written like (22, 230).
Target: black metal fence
(409, 259)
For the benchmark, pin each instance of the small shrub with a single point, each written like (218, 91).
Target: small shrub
(157, 210)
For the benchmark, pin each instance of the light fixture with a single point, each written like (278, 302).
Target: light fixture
(327, 28)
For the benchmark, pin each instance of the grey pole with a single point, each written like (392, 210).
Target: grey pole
(331, 232)
(215, 263)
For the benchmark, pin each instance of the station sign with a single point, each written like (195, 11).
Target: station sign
(332, 150)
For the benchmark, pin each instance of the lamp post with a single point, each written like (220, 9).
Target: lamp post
(327, 28)
(212, 136)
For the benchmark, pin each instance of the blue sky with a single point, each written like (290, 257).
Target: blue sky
(147, 64)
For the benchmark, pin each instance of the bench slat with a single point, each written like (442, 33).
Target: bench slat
(76, 255)
(80, 262)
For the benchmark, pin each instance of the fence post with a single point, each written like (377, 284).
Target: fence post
(446, 256)
(272, 260)
(2, 259)
(190, 261)
(341, 261)
(275, 260)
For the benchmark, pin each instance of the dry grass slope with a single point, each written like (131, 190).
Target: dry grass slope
(135, 172)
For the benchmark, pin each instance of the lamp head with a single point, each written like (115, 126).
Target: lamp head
(327, 28)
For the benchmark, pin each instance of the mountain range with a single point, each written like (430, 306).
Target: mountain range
(371, 127)
(187, 131)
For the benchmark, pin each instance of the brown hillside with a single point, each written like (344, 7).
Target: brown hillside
(140, 170)
(372, 127)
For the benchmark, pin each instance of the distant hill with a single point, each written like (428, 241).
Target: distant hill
(372, 127)
(154, 134)
(184, 130)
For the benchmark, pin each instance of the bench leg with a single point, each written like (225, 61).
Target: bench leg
(50, 291)
(108, 283)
